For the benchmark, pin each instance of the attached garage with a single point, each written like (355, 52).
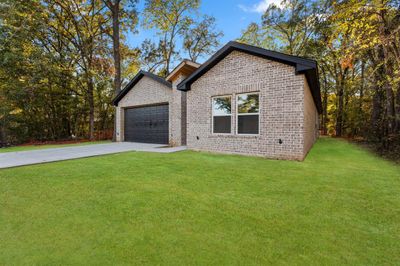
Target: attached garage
(147, 124)
(143, 111)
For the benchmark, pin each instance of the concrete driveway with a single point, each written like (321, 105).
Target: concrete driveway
(12, 159)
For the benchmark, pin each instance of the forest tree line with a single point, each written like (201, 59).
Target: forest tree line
(357, 46)
(63, 61)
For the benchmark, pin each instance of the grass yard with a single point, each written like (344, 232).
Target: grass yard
(340, 206)
(47, 146)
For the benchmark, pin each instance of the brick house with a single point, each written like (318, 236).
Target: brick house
(243, 100)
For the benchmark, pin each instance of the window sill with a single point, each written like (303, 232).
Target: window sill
(221, 134)
(248, 136)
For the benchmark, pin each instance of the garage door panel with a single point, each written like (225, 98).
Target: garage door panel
(147, 124)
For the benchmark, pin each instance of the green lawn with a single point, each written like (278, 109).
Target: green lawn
(47, 146)
(340, 206)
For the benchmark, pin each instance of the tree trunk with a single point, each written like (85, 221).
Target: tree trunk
(340, 95)
(167, 62)
(340, 112)
(390, 108)
(117, 59)
(3, 132)
(360, 114)
(376, 116)
(376, 130)
(91, 108)
(325, 107)
(325, 113)
(385, 54)
(389, 104)
(339, 117)
(116, 46)
(397, 113)
(360, 106)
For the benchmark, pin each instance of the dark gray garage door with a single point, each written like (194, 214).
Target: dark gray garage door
(147, 124)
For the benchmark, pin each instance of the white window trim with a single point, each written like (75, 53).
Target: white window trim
(244, 114)
(212, 114)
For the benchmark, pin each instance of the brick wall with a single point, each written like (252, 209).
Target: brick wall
(310, 119)
(281, 107)
(178, 118)
(146, 92)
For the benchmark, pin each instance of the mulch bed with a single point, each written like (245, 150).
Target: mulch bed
(54, 142)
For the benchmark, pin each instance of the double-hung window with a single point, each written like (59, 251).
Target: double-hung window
(222, 114)
(248, 113)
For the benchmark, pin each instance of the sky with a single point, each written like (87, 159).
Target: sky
(232, 17)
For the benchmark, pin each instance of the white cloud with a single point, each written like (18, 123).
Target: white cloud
(261, 6)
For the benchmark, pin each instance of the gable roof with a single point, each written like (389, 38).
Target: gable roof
(135, 80)
(302, 66)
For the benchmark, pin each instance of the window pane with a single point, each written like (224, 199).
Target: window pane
(248, 124)
(222, 124)
(222, 106)
(248, 103)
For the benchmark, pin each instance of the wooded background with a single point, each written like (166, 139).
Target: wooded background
(62, 61)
